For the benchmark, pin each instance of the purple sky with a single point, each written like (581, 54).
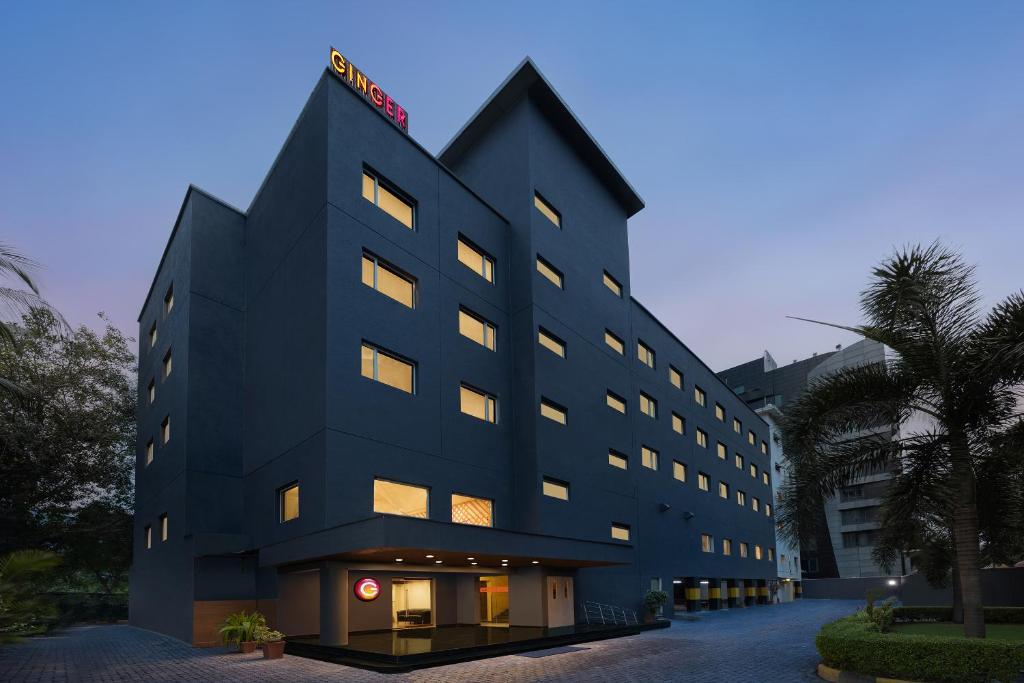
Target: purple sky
(782, 148)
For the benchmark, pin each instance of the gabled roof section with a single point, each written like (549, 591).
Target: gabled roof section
(527, 79)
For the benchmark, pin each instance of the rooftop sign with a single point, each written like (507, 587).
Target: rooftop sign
(370, 90)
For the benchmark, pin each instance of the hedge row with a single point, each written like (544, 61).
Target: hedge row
(993, 615)
(75, 608)
(849, 644)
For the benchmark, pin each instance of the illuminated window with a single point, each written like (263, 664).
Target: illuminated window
(741, 498)
(616, 403)
(645, 354)
(388, 200)
(149, 537)
(475, 259)
(392, 498)
(470, 510)
(739, 461)
(168, 365)
(678, 424)
(616, 459)
(547, 210)
(150, 450)
(552, 274)
(555, 489)
(471, 326)
(751, 438)
(767, 509)
(288, 503)
(478, 404)
(612, 284)
(757, 552)
(151, 391)
(723, 490)
(163, 527)
(389, 280)
(719, 412)
(169, 300)
(649, 457)
(381, 366)
(737, 426)
(675, 377)
(152, 336)
(720, 448)
(702, 438)
(551, 342)
(764, 477)
(552, 411)
(743, 549)
(764, 447)
(703, 482)
(755, 504)
(726, 546)
(648, 406)
(700, 397)
(753, 470)
(771, 554)
(707, 543)
(678, 470)
(165, 429)
(620, 532)
(614, 342)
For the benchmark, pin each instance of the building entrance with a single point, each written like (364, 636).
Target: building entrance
(494, 601)
(412, 603)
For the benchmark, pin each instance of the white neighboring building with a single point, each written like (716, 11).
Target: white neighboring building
(787, 555)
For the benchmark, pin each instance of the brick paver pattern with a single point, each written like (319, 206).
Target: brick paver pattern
(768, 644)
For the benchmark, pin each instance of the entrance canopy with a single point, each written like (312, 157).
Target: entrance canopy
(387, 539)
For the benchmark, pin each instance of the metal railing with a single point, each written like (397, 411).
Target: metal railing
(608, 615)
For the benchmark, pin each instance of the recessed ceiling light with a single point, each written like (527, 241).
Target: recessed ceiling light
(398, 559)
(473, 563)
(430, 557)
(470, 558)
(535, 562)
(438, 561)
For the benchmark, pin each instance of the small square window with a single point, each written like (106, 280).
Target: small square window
(739, 461)
(620, 532)
(755, 504)
(702, 438)
(151, 391)
(757, 552)
(150, 452)
(707, 543)
(649, 457)
(678, 470)
(678, 424)
(675, 377)
(703, 481)
(616, 459)
(751, 438)
(764, 477)
(475, 259)
(648, 406)
(721, 450)
(473, 326)
(771, 554)
(288, 503)
(726, 546)
(741, 498)
(737, 426)
(767, 509)
(645, 354)
(723, 490)
(764, 447)
(700, 397)
(152, 336)
(555, 489)
(614, 342)
(719, 412)
(471, 510)
(478, 404)
(753, 470)
(743, 549)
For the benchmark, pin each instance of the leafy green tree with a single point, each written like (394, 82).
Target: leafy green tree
(21, 609)
(931, 415)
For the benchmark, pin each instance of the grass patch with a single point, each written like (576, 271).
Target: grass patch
(1013, 632)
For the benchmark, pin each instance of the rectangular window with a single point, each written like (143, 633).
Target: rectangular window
(547, 210)
(675, 377)
(755, 504)
(764, 477)
(700, 397)
(388, 200)
(764, 447)
(741, 498)
(743, 549)
(771, 554)
(648, 406)
(751, 438)
(620, 532)
(612, 284)
(149, 537)
(470, 510)
(649, 457)
(553, 275)
(645, 354)
(393, 498)
(616, 459)
(168, 364)
(169, 300)
(163, 528)
(476, 260)
(723, 490)
(616, 402)
(381, 366)
(165, 430)
(551, 342)
(703, 482)
(737, 426)
(702, 438)
(767, 509)
(553, 411)
(614, 342)
(151, 391)
(719, 412)
(152, 336)
(726, 546)
(678, 470)
(478, 404)
(753, 470)
(288, 503)
(472, 326)
(678, 424)
(555, 489)
(707, 543)
(739, 461)
(720, 448)
(388, 280)
(150, 450)
(757, 552)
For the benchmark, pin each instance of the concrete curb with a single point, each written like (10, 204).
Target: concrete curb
(827, 673)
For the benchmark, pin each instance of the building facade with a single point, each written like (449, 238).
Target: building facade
(403, 390)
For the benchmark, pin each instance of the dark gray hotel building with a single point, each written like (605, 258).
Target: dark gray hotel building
(406, 390)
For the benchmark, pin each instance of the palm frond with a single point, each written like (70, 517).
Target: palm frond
(13, 263)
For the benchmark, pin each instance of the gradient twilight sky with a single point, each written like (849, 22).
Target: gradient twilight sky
(782, 148)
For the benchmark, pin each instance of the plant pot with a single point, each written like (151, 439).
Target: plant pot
(648, 617)
(273, 649)
(247, 647)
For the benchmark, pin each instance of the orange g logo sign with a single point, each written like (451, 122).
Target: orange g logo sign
(367, 589)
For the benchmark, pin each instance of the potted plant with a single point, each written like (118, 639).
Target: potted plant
(271, 641)
(240, 628)
(653, 602)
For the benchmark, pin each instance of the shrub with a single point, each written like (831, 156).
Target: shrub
(241, 627)
(852, 644)
(653, 600)
(993, 615)
(262, 634)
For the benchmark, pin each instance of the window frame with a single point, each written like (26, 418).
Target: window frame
(379, 181)
(617, 455)
(540, 203)
(618, 340)
(490, 400)
(281, 491)
(541, 261)
(554, 339)
(679, 466)
(427, 489)
(645, 354)
(611, 395)
(558, 408)
(619, 526)
(490, 501)
(652, 405)
(383, 264)
(378, 351)
(559, 484)
(615, 287)
(682, 423)
(702, 437)
(165, 532)
(651, 455)
(700, 397)
(703, 482)
(487, 262)
(490, 330)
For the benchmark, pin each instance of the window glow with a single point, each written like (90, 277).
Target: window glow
(477, 329)
(387, 200)
(289, 503)
(549, 272)
(382, 367)
(675, 377)
(649, 457)
(168, 365)
(678, 424)
(616, 403)
(700, 397)
(165, 429)
(163, 527)
(477, 261)
(723, 490)
(389, 280)
(551, 342)
(618, 460)
(702, 438)
(555, 489)
(149, 452)
(648, 406)
(678, 470)
(726, 546)
(703, 481)
(620, 532)
(612, 284)
(547, 211)
(645, 354)
(614, 342)
(392, 498)
(553, 411)
(478, 404)
(721, 450)
(470, 510)
(707, 543)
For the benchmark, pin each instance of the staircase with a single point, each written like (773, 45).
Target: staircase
(596, 613)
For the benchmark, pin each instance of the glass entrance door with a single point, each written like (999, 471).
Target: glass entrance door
(412, 603)
(494, 601)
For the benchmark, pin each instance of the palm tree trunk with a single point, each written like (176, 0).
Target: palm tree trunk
(958, 603)
(966, 538)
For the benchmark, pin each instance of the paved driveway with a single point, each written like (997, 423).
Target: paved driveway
(758, 645)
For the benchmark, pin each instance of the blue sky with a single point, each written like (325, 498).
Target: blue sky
(782, 148)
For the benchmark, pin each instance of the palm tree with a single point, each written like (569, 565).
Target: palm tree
(930, 415)
(21, 609)
(16, 301)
